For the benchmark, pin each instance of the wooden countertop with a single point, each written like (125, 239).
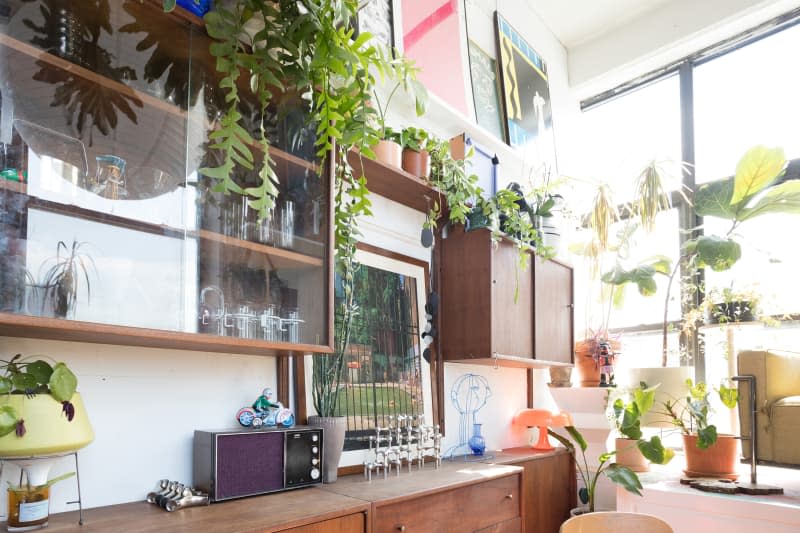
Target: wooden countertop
(451, 475)
(268, 513)
(284, 510)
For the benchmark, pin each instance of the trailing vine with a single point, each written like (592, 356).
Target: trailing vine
(309, 47)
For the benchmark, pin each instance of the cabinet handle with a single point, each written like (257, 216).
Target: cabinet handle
(571, 306)
(509, 496)
(400, 528)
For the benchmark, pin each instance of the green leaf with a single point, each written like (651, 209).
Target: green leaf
(782, 198)
(715, 252)
(62, 383)
(8, 420)
(6, 385)
(41, 370)
(729, 396)
(626, 477)
(23, 380)
(577, 437)
(168, 5)
(644, 399)
(714, 199)
(757, 168)
(655, 452)
(706, 437)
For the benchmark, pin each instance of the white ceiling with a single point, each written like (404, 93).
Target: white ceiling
(576, 21)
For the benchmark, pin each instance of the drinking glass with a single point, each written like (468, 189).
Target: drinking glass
(109, 180)
(287, 224)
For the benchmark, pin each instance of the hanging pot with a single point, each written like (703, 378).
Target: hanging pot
(388, 153)
(717, 461)
(334, 428)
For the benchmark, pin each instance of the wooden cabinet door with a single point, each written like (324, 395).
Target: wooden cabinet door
(553, 305)
(354, 523)
(549, 492)
(512, 303)
(470, 508)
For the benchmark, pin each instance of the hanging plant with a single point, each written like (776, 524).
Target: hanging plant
(307, 47)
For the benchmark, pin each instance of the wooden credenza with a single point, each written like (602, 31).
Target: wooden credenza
(459, 497)
(512, 491)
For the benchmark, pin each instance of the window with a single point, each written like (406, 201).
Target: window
(741, 98)
(385, 374)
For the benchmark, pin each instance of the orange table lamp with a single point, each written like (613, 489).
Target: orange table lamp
(542, 418)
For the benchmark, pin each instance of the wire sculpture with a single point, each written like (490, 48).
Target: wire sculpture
(468, 395)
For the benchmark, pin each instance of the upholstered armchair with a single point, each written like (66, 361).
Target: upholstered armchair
(778, 404)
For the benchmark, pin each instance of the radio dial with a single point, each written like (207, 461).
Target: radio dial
(314, 437)
(314, 461)
(315, 473)
(314, 450)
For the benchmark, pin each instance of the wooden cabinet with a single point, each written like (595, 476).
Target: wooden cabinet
(354, 523)
(494, 312)
(477, 507)
(549, 486)
(106, 120)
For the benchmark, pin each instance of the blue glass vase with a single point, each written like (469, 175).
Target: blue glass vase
(476, 442)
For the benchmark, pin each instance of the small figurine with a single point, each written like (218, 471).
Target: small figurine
(605, 357)
(265, 412)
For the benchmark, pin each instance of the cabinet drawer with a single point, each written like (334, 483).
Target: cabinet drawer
(354, 523)
(464, 509)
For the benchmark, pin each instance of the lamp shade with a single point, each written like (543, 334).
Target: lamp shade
(542, 418)
(48, 432)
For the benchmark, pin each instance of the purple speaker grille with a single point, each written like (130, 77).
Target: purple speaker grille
(249, 463)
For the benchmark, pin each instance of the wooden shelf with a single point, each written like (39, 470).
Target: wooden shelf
(510, 361)
(13, 186)
(13, 325)
(393, 183)
(278, 257)
(77, 70)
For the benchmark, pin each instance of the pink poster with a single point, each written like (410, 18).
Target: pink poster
(431, 37)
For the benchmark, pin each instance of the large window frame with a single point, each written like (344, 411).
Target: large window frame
(689, 223)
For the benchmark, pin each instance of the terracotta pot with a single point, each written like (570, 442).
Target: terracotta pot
(586, 365)
(628, 454)
(417, 163)
(718, 460)
(389, 153)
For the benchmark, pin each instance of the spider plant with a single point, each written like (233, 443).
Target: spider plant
(62, 279)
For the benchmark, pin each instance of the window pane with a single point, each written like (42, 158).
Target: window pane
(615, 141)
(768, 266)
(383, 374)
(744, 98)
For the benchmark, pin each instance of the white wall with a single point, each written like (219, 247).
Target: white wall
(144, 405)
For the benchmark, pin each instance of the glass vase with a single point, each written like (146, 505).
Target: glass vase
(476, 442)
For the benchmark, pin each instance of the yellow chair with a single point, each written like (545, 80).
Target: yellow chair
(614, 522)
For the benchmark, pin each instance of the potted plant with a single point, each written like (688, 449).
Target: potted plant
(416, 159)
(56, 295)
(389, 148)
(730, 306)
(626, 414)
(622, 475)
(708, 453)
(40, 411)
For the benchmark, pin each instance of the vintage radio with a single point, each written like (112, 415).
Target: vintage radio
(244, 462)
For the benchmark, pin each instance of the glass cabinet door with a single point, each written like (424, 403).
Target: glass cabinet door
(105, 114)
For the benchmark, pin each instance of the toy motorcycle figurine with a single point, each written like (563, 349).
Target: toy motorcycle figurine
(265, 412)
(605, 358)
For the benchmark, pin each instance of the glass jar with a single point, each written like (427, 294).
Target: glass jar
(109, 181)
(28, 509)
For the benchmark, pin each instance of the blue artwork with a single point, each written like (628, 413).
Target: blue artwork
(525, 95)
(198, 7)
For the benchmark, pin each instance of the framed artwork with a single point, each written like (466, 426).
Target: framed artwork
(525, 88)
(485, 94)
